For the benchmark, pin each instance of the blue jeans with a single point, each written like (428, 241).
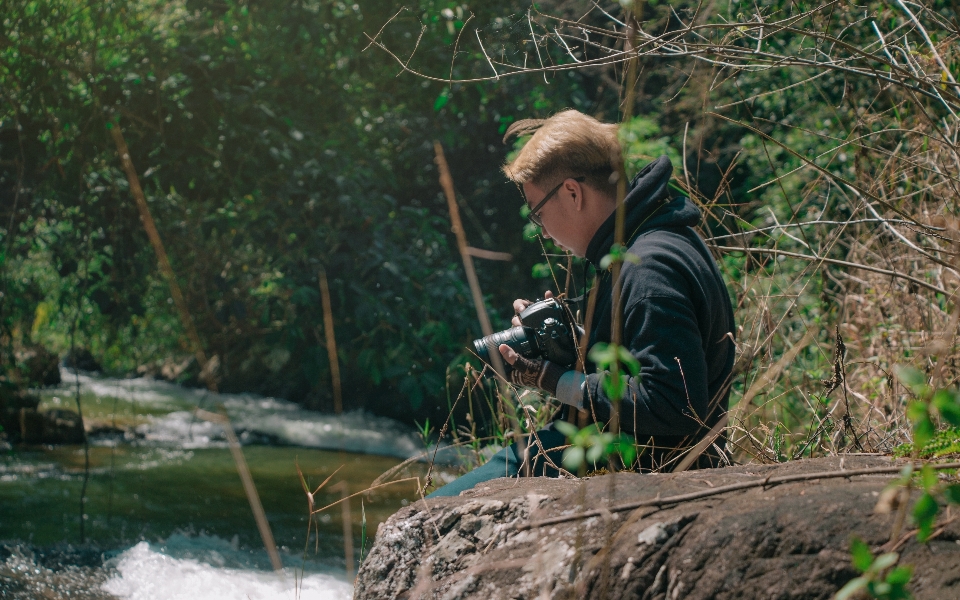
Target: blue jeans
(507, 462)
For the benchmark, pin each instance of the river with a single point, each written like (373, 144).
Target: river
(164, 505)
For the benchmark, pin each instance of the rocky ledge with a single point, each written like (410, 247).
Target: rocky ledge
(788, 541)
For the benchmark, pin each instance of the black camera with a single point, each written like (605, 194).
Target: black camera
(546, 330)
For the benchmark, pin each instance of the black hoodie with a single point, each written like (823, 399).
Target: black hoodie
(677, 322)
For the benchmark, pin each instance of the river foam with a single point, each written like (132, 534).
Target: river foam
(146, 572)
(168, 418)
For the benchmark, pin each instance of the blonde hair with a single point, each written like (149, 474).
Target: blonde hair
(568, 144)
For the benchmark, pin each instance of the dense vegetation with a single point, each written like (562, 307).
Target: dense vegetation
(272, 142)
(269, 145)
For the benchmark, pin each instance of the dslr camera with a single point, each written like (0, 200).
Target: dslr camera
(546, 330)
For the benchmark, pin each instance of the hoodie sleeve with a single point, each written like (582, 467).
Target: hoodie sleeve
(670, 395)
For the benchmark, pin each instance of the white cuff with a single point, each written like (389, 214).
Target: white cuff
(570, 388)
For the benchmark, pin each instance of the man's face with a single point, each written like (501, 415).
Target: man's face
(559, 214)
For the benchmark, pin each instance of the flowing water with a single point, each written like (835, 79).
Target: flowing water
(165, 507)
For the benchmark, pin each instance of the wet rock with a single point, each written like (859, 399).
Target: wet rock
(38, 366)
(786, 542)
(61, 572)
(14, 399)
(81, 359)
(29, 426)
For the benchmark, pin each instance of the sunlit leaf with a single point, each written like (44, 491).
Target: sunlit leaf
(900, 576)
(573, 458)
(853, 587)
(567, 429)
(928, 477)
(860, 555)
(924, 512)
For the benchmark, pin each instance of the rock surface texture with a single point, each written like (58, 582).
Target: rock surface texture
(789, 541)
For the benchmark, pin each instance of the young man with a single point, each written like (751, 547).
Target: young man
(677, 319)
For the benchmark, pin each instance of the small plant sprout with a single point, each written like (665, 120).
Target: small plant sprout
(922, 412)
(424, 431)
(590, 445)
(878, 579)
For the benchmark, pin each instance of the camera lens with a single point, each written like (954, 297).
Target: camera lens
(515, 337)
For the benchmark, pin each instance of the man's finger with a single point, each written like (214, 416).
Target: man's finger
(548, 294)
(519, 304)
(508, 353)
(515, 321)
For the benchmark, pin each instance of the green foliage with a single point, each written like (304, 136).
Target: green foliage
(945, 441)
(879, 580)
(591, 445)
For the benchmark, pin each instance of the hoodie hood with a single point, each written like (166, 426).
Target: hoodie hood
(649, 206)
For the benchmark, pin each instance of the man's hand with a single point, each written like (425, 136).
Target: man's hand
(537, 372)
(519, 304)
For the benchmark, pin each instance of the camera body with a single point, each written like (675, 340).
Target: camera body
(546, 330)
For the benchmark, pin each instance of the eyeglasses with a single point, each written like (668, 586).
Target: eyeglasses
(534, 215)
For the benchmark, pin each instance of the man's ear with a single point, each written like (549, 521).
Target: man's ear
(576, 192)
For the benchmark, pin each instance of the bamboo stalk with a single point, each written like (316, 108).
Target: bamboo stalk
(446, 182)
(162, 259)
(616, 327)
(331, 342)
(206, 366)
(248, 486)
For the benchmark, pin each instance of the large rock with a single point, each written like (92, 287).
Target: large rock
(789, 541)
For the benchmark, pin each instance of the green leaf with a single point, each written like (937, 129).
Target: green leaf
(603, 354)
(948, 406)
(952, 493)
(923, 432)
(625, 447)
(928, 477)
(629, 360)
(614, 385)
(911, 377)
(442, 100)
(860, 555)
(884, 561)
(924, 512)
(573, 458)
(900, 576)
(567, 429)
(854, 586)
(595, 453)
(917, 411)
(880, 589)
